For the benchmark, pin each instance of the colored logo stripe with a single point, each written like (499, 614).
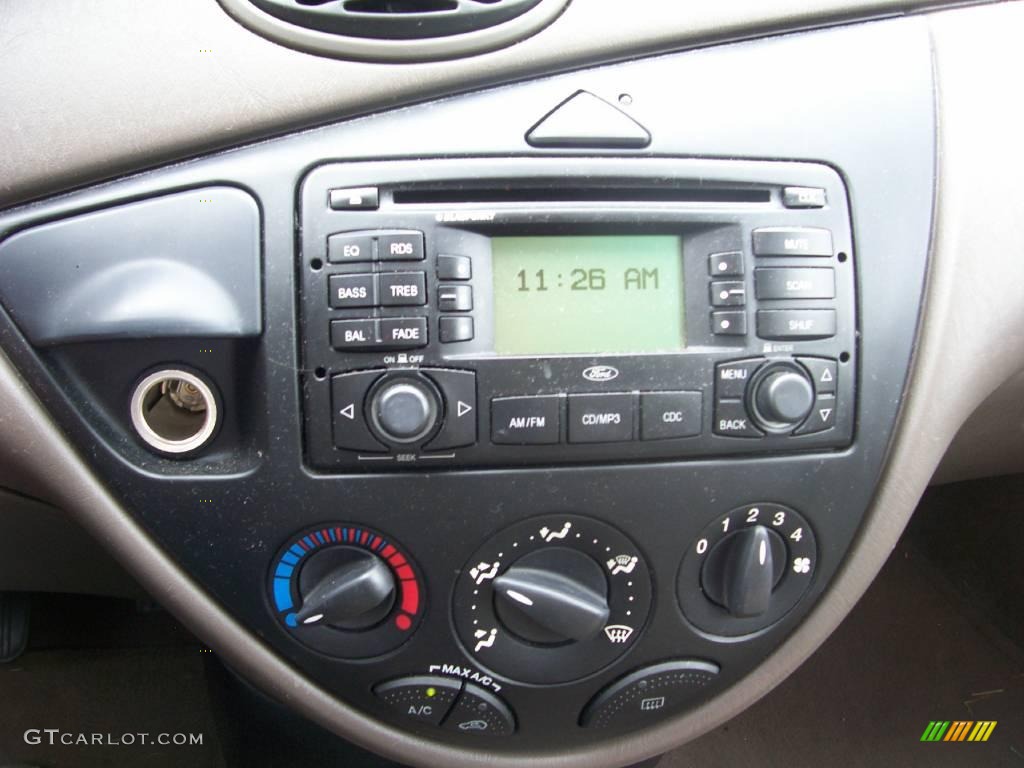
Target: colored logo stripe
(958, 730)
(935, 731)
(982, 730)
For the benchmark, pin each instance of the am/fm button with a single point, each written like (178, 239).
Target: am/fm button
(525, 420)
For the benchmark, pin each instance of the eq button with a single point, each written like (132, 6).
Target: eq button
(600, 418)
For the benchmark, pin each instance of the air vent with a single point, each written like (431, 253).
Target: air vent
(395, 30)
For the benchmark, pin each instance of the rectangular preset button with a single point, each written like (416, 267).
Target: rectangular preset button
(403, 289)
(795, 283)
(600, 418)
(525, 420)
(403, 332)
(352, 291)
(796, 323)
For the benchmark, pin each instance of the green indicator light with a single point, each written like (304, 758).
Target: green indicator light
(431, 693)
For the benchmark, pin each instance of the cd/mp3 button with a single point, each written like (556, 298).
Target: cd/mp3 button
(600, 418)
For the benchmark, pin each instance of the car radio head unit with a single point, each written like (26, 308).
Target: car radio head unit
(480, 313)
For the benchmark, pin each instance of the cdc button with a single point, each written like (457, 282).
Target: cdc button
(665, 415)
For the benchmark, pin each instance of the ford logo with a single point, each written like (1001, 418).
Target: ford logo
(600, 373)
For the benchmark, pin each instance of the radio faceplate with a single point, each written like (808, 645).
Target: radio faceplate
(399, 303)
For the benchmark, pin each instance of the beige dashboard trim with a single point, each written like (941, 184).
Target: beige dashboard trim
(140, 84)
(969, 345)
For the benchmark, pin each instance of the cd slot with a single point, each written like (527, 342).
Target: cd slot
(547, 194)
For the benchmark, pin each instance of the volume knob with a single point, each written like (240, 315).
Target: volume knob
(404, 410)
(782, 398)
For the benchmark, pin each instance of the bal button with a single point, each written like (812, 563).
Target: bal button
(404, 411)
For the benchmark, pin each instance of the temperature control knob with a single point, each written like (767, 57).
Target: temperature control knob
(782, 397)
(346, 591)
(742, 570)
(345, 587)
(553, 596)
(404, 410)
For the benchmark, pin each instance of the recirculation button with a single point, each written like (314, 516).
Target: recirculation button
(480, 712)
(645, 696)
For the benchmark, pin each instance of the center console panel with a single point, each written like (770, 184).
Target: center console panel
(512, 448)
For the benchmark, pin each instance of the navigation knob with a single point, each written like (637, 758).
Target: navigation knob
(345, 587)
(404, 410)
(742, 570)
(553, 596)
(782, 397)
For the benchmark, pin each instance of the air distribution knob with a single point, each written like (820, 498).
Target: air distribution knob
(404, 410)
(553, 596)
(783, 397)
(742, 570)
(345, 587)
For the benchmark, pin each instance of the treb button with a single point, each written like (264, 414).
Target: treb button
(403, 289)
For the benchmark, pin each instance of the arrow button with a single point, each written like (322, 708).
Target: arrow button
(459, 390)
(348, 392)
(823, 416)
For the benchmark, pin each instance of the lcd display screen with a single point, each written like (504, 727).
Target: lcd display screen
(588, 294)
